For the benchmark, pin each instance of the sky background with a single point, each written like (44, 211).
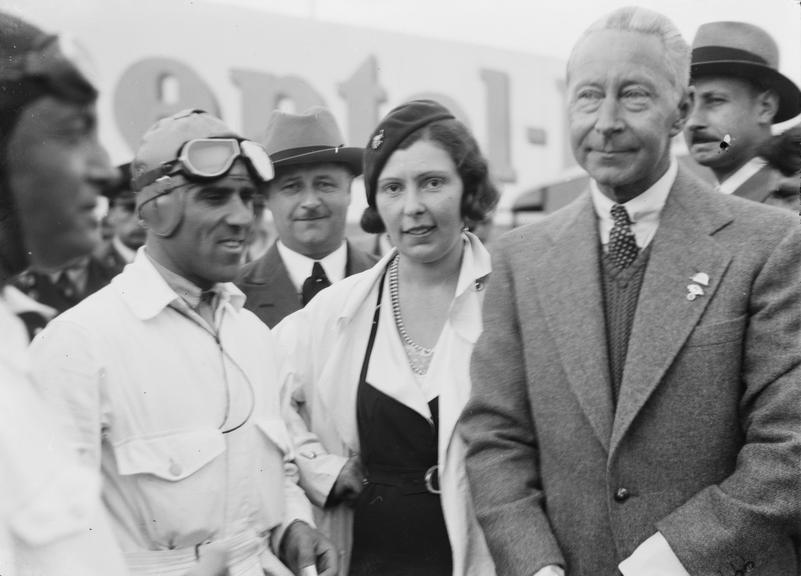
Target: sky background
(547, 28)
(526, 27)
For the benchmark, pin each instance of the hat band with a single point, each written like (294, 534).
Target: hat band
(297, 153)
(706, 54)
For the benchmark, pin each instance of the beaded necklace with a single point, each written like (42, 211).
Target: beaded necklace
(419, 357)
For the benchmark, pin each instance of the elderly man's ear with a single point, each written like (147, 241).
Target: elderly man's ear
(684, 108)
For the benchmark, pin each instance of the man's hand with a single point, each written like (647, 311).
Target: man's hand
(349, 483)
(303, 546)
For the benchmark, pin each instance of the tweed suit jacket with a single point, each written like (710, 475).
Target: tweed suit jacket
(765, 187)
(705, 439)
(270, 293)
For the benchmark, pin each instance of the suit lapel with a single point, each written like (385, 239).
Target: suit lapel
(269, 289)
(569, 287)
(682, 247)
(97, 276)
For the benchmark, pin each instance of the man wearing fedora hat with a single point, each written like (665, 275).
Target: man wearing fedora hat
(738, 94)
(309, 200)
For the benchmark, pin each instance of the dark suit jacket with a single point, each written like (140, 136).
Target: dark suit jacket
(706, 435)
(38, 286)
(41, 288)
(111, 258)
(270, 293)
(765, 187)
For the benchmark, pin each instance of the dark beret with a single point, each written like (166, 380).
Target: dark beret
(391, 132)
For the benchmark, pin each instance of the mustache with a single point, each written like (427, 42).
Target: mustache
(700, 137)
(234, 237)
(313, 214)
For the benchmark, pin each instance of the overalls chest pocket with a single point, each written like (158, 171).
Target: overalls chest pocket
(172, 483)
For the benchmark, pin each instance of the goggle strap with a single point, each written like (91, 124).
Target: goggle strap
(147, 178)
(190, 172)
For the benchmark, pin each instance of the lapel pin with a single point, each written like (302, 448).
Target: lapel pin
(701, 278)
(377, 140)
(693, 291)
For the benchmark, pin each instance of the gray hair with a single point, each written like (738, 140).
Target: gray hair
(636, 19)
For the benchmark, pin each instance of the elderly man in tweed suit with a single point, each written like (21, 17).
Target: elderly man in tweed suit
(637, 389)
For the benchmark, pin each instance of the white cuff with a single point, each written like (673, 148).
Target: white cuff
(654, 557)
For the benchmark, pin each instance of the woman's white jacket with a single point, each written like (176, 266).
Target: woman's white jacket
(324, 346)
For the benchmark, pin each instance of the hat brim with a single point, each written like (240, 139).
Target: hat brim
(351, 157)
(789, 94)
(122, 185)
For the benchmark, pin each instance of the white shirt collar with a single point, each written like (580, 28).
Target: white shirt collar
(737, 179)
(644, 210)
(299, 266)
(19, 302)
(14, 351)
(148, 292)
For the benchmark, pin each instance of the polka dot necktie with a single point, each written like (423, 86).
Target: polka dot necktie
(622, 245)
(314, 283)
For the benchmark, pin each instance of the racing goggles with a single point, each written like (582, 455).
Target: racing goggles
(59, 64)
(204, 159)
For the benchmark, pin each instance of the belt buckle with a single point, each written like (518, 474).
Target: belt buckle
(429, 477)
(199, 546)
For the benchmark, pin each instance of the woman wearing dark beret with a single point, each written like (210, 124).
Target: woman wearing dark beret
(377, 367)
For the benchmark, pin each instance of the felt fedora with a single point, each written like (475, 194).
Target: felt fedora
(745, 51)
(121, 186)
(309, 138)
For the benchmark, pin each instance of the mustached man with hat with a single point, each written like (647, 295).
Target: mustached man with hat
(738, 94)
(170, 388)
(309, 199)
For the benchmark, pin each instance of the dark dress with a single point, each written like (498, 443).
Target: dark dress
(398, 526)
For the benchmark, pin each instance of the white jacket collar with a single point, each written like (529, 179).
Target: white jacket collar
(475, 267)
(465, 312)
